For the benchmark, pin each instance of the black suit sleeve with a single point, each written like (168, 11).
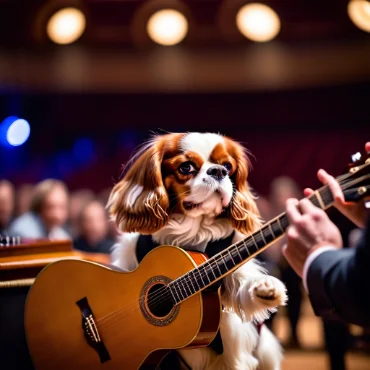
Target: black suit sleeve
(339, 283)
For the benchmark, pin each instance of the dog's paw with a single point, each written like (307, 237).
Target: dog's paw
(269, 292)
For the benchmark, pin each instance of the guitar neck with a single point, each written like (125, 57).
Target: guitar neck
(225, 262)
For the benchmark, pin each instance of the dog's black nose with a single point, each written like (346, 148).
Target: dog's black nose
(217, 172)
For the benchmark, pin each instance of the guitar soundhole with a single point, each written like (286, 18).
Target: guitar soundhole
(158, 301)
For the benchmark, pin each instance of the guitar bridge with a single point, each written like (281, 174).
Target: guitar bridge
(91, 331)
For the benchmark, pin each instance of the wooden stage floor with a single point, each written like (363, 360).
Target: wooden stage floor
(312, 356)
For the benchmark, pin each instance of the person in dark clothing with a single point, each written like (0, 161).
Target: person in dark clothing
(93, 227)
(47, 215)
(336, 279)
(336, 332)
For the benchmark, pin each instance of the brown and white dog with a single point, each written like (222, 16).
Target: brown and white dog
(190, 189)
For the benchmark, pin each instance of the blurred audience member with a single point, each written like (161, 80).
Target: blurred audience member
(6, 205)
(354, 237)
(104, 195)
(281, 189)
(78, 199)
(48, 213)
(264, 208)
(112, 228)
(23, 199)
(93, 226)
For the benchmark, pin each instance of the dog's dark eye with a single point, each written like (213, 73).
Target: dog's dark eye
(228, 166)
(187, 168)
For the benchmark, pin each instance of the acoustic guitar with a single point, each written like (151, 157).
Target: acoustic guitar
(81, 315)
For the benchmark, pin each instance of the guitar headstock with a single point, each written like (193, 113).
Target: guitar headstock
(359, 158)
(356, 184)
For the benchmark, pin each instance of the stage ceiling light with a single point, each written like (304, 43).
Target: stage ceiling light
(258, 22)
(167, 27)
(66, 26)
(359, 13)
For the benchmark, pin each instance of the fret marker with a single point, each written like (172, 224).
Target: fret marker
(231, 257)
(246, 247)
(213, 272)
(209, 280)
(210, 261)
(263, 237)
(272, 231)
(180, 290)
(223, 260)
(195, 279)
(201, 278)
(186, 286)
(318, 196)
(191, 282)
(237, 249)
(218, 266)
(281, 228)
(173, 296)
(255, 243)
(176, 292)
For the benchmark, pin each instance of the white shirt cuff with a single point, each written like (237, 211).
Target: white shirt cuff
(309, 260)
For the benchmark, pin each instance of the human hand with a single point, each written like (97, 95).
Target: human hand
(356, 212)
(310, 228)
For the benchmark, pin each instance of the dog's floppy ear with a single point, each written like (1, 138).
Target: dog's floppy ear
(139, 202)
(243, 211)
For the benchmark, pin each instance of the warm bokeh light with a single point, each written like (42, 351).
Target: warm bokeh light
(258, 22)
(66, 25)
(167, 27)
(359, 12)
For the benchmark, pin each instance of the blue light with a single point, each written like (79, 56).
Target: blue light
(14, 131)
(18, 132)
(83, 150)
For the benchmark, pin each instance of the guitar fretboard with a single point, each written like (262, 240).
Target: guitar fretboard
(234, 256)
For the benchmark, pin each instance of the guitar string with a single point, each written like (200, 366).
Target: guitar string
(243, 243)
(160, 293)
(127, 313)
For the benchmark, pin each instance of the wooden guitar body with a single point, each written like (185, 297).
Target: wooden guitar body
(81, 315)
